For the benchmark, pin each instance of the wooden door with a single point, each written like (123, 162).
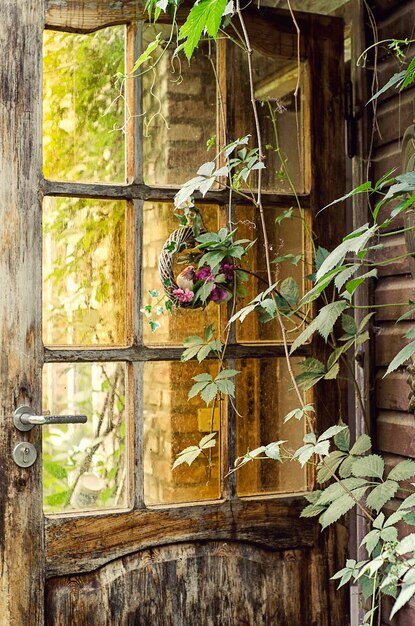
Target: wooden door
(161, 547)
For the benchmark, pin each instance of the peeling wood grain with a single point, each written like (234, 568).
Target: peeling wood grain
(21, 518)
(270, 522)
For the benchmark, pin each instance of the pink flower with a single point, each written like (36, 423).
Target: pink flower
(205, 273)
(218, 294)
(183, 295)
(228, 269)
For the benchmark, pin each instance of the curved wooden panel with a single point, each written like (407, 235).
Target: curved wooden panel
(84, 543)
(211, 584)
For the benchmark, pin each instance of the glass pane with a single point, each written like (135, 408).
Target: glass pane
(263, 399)
(179, 106)
(159, 223)
(283, 118)
(83, 113)
(85, 465)
(286, 237)
(84, 272)
(171, 424)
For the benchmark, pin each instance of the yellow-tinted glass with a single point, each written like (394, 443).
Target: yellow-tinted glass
(85, 465)
(285, 238)
(83, 113)
(263, 399)
(283, 118)
(159, 223)
(173, 423)
(84, 272)
(179, 107)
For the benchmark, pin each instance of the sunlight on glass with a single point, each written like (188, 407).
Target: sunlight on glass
(84, 272)
(159, 223)
(263, 400)
(85, 465)
(83, 107)
(289, 265)
(171, 424)
(179, 113)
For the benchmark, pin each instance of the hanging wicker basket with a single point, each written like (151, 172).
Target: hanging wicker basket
(183, 238)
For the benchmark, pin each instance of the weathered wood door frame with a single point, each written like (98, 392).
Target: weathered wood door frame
(21, 517)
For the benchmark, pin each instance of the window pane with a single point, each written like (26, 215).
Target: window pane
(286, 237)
(263, 400)
(283, 118)
(159, 223)
(179, 106)
(171, 424)
(84, 270)
(85, 465)
(83, 115)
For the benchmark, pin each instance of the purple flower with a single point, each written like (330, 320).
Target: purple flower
(228, 269)
(183, 295)
(205, 273)
(218, 294)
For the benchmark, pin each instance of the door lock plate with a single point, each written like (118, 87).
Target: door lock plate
(24, 454)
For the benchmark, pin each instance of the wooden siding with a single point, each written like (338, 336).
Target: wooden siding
(395, 425)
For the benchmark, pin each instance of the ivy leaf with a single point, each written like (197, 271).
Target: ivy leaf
(382, 494)
(207, 14)
(402, 471)
(371, 466)
(402, 356)
(323, 323)
(272, 450)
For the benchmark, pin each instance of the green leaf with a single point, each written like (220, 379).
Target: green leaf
(353, 243)
(397, 79)
(227, 374)
(146, 55)
(409, 518)
(340, 507)
(292, 258)
(360, 189)
(382, 494)
(207, 439)
(272, 450)
(361, 445)
(349, 325)
(153, 325)
(321, 256)
(371, 540)
(337, 489)
(207, 14)
(312, 510)
(209, 393)
(203, 353)
(58, 499)
(402, 356)
(403, 470)
(342, 440)
(226, 387)
(188, 455)
(332, 462)
(407, 592)
(290, 291)
(372, 466)
(197, 388)
(323, 323)
(330, 432)
(407, 544)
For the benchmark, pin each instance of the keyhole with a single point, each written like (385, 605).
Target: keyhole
(26, 455)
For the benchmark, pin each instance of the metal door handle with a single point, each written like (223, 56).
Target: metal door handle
(24, 419)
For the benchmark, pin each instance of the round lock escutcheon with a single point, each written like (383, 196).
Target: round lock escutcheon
(24, 454)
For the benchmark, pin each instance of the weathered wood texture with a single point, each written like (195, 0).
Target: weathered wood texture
(268, 522)
(21, 523)
(207, 583)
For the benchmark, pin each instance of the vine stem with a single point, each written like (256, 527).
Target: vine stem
(309, 421)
